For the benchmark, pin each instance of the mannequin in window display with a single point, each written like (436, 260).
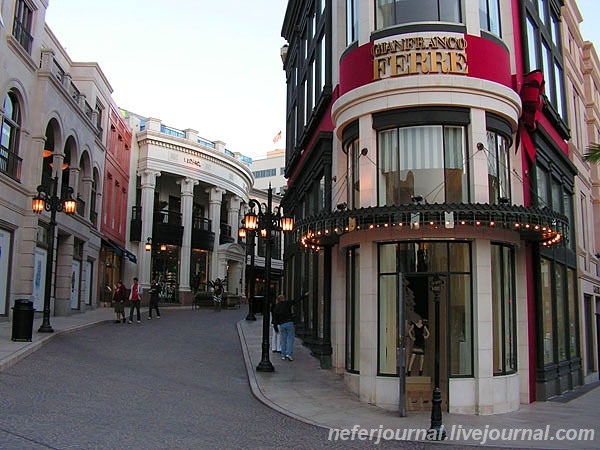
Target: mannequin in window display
(418, 333)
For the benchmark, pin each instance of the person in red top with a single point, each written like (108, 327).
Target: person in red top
(135, 297)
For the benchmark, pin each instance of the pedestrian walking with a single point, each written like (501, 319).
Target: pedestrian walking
(119, 301)
(284, 321)
(135, 297)
(154, 293)
(276, 336)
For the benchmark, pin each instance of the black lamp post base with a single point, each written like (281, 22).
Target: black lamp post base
(46, 329)
(250, 315)
(265, 366)
(436, 430)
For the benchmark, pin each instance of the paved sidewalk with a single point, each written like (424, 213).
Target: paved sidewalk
(12, 352)
(302, 390)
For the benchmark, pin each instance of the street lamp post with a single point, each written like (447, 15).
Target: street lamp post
(268, 220)
(438, 433)
(249, 235)
(47, 199)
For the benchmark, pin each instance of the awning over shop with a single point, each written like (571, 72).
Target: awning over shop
(120, 250)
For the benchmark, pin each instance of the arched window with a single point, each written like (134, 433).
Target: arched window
(9, 143)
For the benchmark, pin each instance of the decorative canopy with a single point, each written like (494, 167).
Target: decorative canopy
(541, 225)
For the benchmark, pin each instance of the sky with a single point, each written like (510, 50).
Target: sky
(590, 11)
(211, 66)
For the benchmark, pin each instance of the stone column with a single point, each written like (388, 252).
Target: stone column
(148, 183)
(479, 158)
(187, 202)
(74, 180)
(483, 332)
(215, 200)
(47, 59)
(86, 194)
(63, 275)
(233, 216)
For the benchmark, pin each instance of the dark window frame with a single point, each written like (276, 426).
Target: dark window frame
(10, 162)
(486, 14)
(352, 353)
(546, 31)
(395, 20)
(22, 25)
(512, 305)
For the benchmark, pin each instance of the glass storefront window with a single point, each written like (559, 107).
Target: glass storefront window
(503, 310)
(413, 160)
(560, 311)
(547, 308)
(459, 312)
(198, 270)
(416, 263)
(573, 328)
(353, 309)
(388, 327)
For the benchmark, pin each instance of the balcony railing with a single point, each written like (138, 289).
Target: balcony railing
(167, 217)
(201, 224)
(51, 64)
(10, 164)
(202, 236)
(225, 237)
(80, 207)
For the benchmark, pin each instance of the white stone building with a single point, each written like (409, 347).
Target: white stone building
(54, 127)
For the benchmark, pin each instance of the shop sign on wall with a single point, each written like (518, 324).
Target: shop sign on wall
(192, 161)
(420, 55)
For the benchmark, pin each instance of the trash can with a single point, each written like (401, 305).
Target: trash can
(22, 322)
(257, 304)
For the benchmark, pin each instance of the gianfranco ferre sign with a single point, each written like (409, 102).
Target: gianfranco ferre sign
(420, 55)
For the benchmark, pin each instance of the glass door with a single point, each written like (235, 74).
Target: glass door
(422, 327)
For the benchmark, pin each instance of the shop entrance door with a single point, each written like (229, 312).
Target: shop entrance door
(165, 265)
(420, 329)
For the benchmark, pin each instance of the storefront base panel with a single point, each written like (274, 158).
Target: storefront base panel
(555, 380)
(504, 397)
(462, 395)
(186, 297)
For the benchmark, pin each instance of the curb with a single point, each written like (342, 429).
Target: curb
(255, 387)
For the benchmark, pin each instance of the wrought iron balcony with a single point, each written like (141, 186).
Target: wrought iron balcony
(10, 164)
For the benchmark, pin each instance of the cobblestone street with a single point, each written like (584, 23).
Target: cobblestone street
(174, 383)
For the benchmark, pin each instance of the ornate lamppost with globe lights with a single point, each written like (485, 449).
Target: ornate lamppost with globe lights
(47, 199)
(266, 221)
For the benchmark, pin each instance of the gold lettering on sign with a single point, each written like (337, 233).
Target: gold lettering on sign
(420, 55)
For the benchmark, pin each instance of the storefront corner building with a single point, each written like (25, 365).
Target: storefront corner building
(433, 144)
